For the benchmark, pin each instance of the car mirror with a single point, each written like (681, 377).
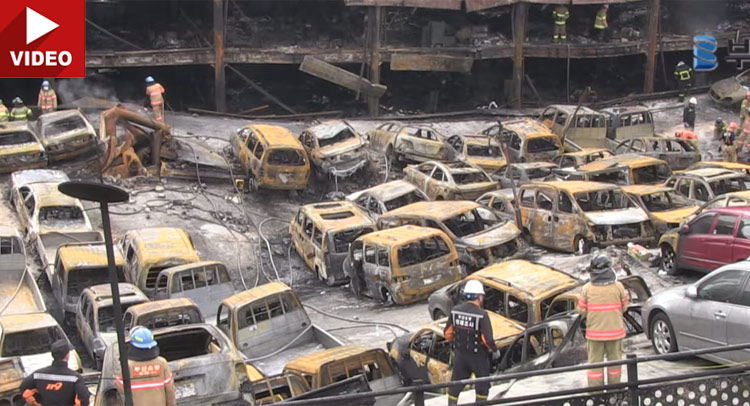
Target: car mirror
(691, 292)
(684, 229)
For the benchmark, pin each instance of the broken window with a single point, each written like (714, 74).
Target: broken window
(259, 151)
(308, 227)
(470, 222)
(618, 176)
(434, 247)
(370, 254)
(744, 230)
(403, 200)
(15, 138)
(701, 191)
(65, 125)
(664, 201)
(727, 186)
(651, 174)
(517, 309)
(470, 177)
(341, 136)
(285, 157)
(409, 254)
(342, 239)
(252, 141)
(37, 341)
(61, 216)
(438, 175)
(564, 204)
(515, 142)
(527, 198)
(426, 169)
(106, 317)
(543, 144)
(484, 151)
(10, 245)
(153, 273)
(374, 206)
(170, 318)
(318, 237)
(383, 258)
(544, 202)
(188, 343)
(79, 279)
(538, 173)
(601, 200)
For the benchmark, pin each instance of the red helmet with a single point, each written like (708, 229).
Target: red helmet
(732, 126)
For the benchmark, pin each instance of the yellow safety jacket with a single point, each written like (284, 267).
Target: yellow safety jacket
(20, 113)
(601, 19)
(151, 383)
(47, 100)
(603, 306)
(560, 14)
(155, 92)
(4, 115)
(684, 74)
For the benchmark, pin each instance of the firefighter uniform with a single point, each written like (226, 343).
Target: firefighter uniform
(560, 14)
(600, 23)
(4, 113)
(688, 136)
(469, 328)
(719, 127)
(684, 76)
(728, 149)
(744, 106)
(151, 379)
(155, 92)
(47, 99)
(19, 112)
(603, 301)
(56, 385)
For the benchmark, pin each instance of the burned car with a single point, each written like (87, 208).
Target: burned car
(95, 316)
(387, 196)
(523, 173)
(449, 181)
(66, 134)
(702, 185)
(321, 234)
(665, 207)
(478, 150)
(49, 217)
(335, 149)
(480, 236)
(529, 141)
(162, 313)
(20, 148)
(627, 169)
(271, 157)
(500, 202)
(401, 265)
(574, 216)
(678, 153)
(207, 283)
(582, 157)
(580, 125)
(403, 144)
(734, 166)
(730, 92)
(206, 367)
(627, 122)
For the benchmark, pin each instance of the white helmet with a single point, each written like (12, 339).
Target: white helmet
(693, 100)
(473, 287)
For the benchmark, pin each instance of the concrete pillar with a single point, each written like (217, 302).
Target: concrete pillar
(653, 33)
(374, 28)
(220, 85)
(520, 14)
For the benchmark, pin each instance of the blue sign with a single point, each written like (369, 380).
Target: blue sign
(704, 49)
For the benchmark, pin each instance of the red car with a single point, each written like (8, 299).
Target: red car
(714, 238)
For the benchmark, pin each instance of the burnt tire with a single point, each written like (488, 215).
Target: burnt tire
(438, 314)
(252, 184)
(663, 337)
(582, 245)
(330, 280)
(668, 261)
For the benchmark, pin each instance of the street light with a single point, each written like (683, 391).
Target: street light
(105, 194)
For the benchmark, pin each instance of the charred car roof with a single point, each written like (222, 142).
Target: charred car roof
(258, 292)
(642, 190)
(102, 294)
(329, 129)
(710, 174)
(145, 308)
(401, 235)
(386, 191)
(86, 255)
(528, 128)
(575, 186)
(310, 363)
(160, 242)
(31, 176)
(529, 278)
(337, 215)
(275, 135)
(439, 210)
(630, 160)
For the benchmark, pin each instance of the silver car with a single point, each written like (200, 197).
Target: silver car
(711, 312)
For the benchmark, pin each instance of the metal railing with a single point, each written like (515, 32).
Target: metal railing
(628, 392)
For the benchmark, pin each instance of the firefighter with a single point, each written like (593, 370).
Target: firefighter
(719, 127)
(56, 384)
(600, 23)
(19, 112)
(560, 14)
(684, 76)
(150, 377)
(4, 114)
(744, 106)
(469, 329)
(47, 98)
(688, 114)
(688, 136)
(727, 148)
(603, 301)
(155, 93)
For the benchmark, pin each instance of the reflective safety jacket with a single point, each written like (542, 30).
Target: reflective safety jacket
(560, 14)
(683, 74)
(20, 113)
(4, 114)
(55, 385)
(151, 382)
(603, 306)
(601, 19)
(155, 92)
(47, 100)
(470, 330)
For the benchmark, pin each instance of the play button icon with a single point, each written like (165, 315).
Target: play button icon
(37, 25)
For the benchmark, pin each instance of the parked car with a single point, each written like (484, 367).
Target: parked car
(712, 312)
(499, 202)
(575, 216)
(734, 166)
(321, 234)
(401, 265)
(149, 251)
(529, 141)
(18, 288)
(627, 169)
(271, 157)
(714, 238)
(207, 368)
(162, 313)
(49, 217)
(731, 91)
(20, 148)
(523, 173)
(582, 157)
(335, 149)
(585, 127)
(478, 150)
(678, 153)
(67, 134)
(387, 196)
(403, 144)
(702, 185)
(449, 181)
(627, 122)
(95, 319)
(207, 283)
(480, 237)
(665, 207)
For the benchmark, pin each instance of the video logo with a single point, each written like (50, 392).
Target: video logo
(704, 49)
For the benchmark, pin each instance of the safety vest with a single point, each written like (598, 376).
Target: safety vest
(47, 99)
(20, 113)
(601, 19)
(4, 115)
(683, 74)
(155, 92)
(560, 14)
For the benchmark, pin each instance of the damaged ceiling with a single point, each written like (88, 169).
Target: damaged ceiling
(471, 5)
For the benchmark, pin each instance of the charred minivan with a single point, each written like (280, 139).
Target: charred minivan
(162, 313)
(321, 234)
(530, 141)
(575, 216)
(207, 283)
(335, 149)
(627, 169)
(271, 157)
(402, 265)
(582, 126)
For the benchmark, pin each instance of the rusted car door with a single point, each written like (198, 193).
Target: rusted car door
(381, 136)
(432, 353)
(373, 275)
(544, 219)
(567, 223)
(423, 142)
(433, 184)
(85, 323)
(553, 343)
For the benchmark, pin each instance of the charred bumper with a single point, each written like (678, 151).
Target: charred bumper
(344, 165)
(12, 163)
(620, 234)
(71, 148)
(477, 258)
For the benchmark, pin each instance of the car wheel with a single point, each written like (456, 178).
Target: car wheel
(662, 334)
(330, 280)
(252, 184)
(582, 245)
(387, 297)
(669, 260)
(438, 314)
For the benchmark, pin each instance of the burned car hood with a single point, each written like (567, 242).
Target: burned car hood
(674, 216)
(728, 87)
(493, 236)
(25, 148)
(615, 217)
(340, 148)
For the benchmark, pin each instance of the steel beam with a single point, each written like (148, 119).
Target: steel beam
(220, 83)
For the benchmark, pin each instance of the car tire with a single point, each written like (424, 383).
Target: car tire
(330, 280)
(252, 184)
(438, 314)
(668, 261)
(662, 334)
(582, 245)
(388, 298)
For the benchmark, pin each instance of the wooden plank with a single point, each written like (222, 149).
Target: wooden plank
(341, 77)
(476, 5)
(431, 63)
(441, 4)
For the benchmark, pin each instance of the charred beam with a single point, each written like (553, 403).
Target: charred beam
(654, 14)
(520, 16)
(341, 77)
(375, 28)
(439, 63)
(220, 84)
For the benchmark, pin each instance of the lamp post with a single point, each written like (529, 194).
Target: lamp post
(105, 194)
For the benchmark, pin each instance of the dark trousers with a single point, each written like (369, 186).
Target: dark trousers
(683, 87)
(463, 367)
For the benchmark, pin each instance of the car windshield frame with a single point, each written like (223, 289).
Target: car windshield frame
(737, 180)
(542, 144)
(64, 125)
(344, 135)
(75, 218)
(470, 222)
(16, 138)
(675, 201)
(619, 200)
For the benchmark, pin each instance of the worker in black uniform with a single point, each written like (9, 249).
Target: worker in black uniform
(688, 114)
(56, 385)
(469, 329)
